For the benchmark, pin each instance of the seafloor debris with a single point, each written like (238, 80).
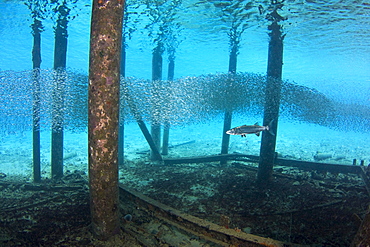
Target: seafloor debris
(302, 206)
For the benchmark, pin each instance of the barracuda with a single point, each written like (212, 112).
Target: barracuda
(250, 129)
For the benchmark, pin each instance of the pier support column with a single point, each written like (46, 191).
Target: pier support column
(60, 74)
(272, 103)
(157, 64)
(36, 105)
(229, 112)
(166, 125)
(103, 113)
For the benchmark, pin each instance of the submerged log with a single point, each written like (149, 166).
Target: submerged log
(218, 235)
(203, 159)
(305, 165)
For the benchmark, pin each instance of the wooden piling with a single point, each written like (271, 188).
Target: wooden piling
(135, 112)
(226, 137)
(166, 125)
(36, 105)
(121, 134)
(103, 113)
(272, 103)
(157, 63)
(60, 58)
(229, 112)
(166, 138)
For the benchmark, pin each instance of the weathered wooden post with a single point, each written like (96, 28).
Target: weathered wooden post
(60, 61)
(157, 64)
(166, 125)
(37, 14)
(36, 59)
(103, 113)
(272, 96)
(163, 30)
(121, 134)
(229, 112)
(235, 14)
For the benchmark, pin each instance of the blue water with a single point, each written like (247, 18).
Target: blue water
(327, 47)
(326, 66)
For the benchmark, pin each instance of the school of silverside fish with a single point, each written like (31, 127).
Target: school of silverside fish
(180, 102)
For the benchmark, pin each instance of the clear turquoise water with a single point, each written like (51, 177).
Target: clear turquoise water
(327, 47)
(327, 44)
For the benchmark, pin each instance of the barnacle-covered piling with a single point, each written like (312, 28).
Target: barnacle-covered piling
(103, 112)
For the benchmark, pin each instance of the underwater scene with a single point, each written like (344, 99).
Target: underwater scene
(241, 123)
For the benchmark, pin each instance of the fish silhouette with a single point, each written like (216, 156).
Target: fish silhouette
(250, 129)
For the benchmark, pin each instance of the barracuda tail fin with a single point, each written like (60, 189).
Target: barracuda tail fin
(268, 127)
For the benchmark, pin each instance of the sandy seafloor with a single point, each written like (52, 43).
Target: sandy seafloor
(295, 140)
